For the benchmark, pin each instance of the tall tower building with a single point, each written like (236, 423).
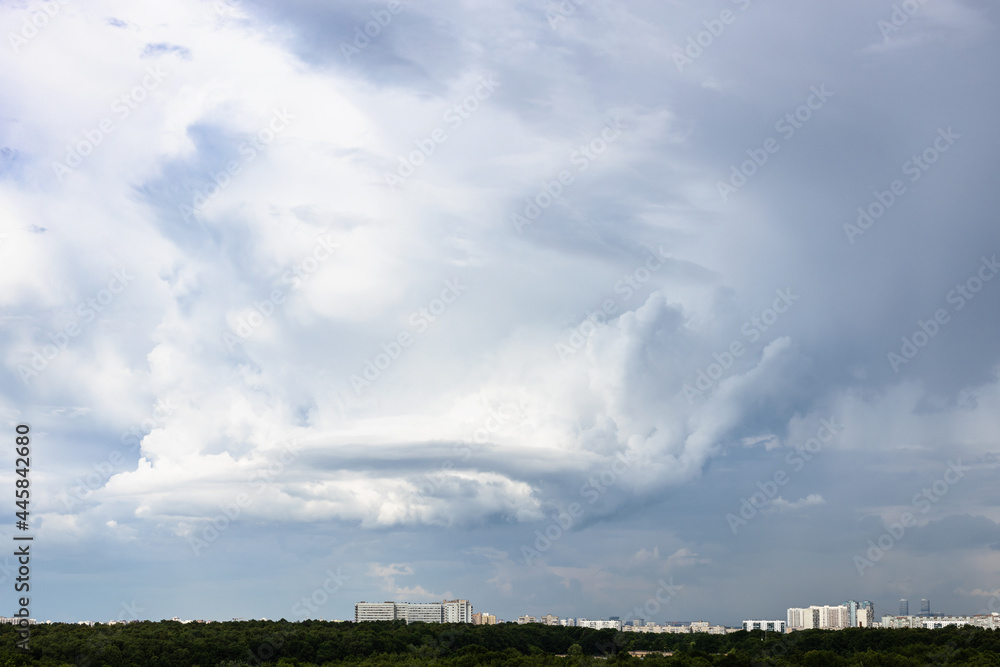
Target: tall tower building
(456, 611)
(904, 607)
(860, 614)
(925, 607)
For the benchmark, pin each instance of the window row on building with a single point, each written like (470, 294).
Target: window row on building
(446, 611)
(989, 621)
(851, 614)
(766, 626)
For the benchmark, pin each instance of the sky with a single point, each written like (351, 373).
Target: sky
(660, 309)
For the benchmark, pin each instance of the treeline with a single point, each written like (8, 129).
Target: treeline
(321, 644)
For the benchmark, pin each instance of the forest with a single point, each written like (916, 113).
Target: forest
(324, 643)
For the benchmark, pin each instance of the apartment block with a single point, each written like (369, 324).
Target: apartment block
(598, 624)
(988, 621)
(766, 626)
(374, 611)
(484, 619)
(680, 628)
(447, 611)
(457, 611)
(833, 617)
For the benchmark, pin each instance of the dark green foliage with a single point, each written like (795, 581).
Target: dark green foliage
(323, 644)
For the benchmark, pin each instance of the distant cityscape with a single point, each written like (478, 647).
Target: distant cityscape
(849, 614)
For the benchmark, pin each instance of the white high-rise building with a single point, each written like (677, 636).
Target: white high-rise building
(457, 611)
(860, 614)
(448, 611)
(816, 616)
(428, 612)
(767, 626)
(374, 611)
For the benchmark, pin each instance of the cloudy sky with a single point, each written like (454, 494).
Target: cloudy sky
(569, 308)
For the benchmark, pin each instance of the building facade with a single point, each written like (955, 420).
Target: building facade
(447, 611)
(860, 614)
(766, 626)
(681, 628)
(457, 611)
(987, 621)
(833, 617)
(374, 611)
(598, 624)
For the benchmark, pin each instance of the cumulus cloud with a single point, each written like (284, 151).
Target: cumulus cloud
(781, 505)
(450, 283)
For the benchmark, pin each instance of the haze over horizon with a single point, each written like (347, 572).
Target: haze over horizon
(535, 304)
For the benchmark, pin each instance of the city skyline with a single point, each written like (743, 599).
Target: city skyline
(682, 310)
(464, 609)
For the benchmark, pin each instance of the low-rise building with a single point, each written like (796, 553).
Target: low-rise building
(599, 624)
(484, 619)
(766, 626)
(446, 611)
(681, 628)
(987, 621)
